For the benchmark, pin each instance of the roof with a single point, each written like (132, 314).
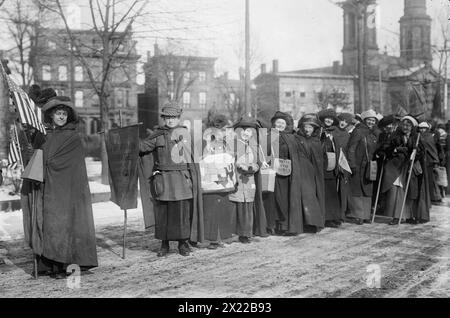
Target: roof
(314, 75)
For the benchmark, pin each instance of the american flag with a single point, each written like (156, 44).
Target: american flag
(28, 112)
(14, 156)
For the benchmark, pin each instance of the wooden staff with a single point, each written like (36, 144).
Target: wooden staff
(15, 139)
(413, 158)
(125, 219)
(378, 192)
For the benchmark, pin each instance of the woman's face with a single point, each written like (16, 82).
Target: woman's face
(343, 124)
(246, 133)
(407, 127)
(171, 122)
(280, 124)
(59, 117)
(370, 122)
(309, 129)
(423, 130)
(328, 122)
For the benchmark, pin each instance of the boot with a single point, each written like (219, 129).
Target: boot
(183, 248)
(164, 250)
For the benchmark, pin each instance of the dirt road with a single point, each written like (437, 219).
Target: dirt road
(413, 262)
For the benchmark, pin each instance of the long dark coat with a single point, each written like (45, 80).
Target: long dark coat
(337, 187)
(432, 158)
(191, 177)
(398, 156)
(285, 203)
(312, 187)
(362, 138)
(61, 228)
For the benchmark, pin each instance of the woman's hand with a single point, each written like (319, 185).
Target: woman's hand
(265, 165)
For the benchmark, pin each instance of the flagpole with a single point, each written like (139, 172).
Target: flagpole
(378, 192)
(125, 219)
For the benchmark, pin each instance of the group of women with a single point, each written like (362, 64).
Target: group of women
(322, 173)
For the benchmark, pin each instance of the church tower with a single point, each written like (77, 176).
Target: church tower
(415, 33)
(352, 30)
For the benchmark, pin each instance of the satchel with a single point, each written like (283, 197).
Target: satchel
(441, 176)
(331, 159)
(156, 185)
(372, 167)
(283, 167)
(268, 180)
(35, 169)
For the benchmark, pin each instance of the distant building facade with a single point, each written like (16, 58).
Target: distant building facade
(407, 80)
(301, 93)
(188, 81)
(56, 67)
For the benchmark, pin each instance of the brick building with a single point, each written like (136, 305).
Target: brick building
(186, 80)
(299, 93)
(56, 67)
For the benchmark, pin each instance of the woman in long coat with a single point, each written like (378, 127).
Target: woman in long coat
(311, 167)
(219, 220)
(334, 140)
(361, 149)
(432, 159)
(283, 207)
(60, 226)
(247, 198)
(175, 183)
(397, 167)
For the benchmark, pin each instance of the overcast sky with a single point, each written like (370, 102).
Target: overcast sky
(299, 33)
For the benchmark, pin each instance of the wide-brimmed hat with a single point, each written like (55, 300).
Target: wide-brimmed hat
(45, 95)
(347, 117)
(328, 113)
(369, 114)
(412, 119)
(247, 122)
(171, 111)
(285, 116)
(309, 119)
(386, 121)
(424, 124)
(58, 102)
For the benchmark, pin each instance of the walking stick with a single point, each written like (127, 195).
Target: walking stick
(378, 192)
(413, 158)
(124, 233)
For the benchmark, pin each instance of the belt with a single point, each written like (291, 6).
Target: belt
(175, 167)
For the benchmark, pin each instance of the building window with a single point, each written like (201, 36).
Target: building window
(171, 77)
(51, 45)
(170, 95)
(95, 124)
(78, 73)
(95, 101)
(127, 98)
(202, 77)
(302, 94)
(186, 100)
(187, 77)
(79, 99)
(232, 99)
(202, 99)
(62, 73)
(46, 73)
(288, 94)
(119, 98)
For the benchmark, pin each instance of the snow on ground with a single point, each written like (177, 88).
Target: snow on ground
(11, 226)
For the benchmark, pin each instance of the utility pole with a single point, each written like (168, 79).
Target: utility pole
(248, 97)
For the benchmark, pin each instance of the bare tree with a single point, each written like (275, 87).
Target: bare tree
(336, 98)
(22, 22)
(112, 24)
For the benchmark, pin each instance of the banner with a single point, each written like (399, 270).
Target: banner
(122, 146)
